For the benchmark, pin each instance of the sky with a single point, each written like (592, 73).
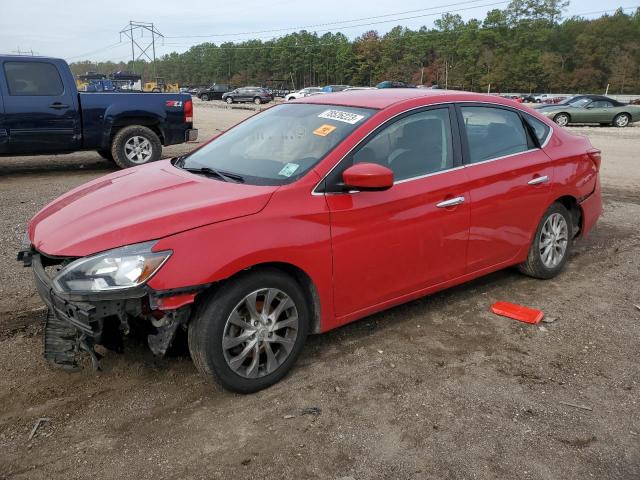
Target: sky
(83, 30)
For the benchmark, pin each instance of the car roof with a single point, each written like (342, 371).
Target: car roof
(383, 98)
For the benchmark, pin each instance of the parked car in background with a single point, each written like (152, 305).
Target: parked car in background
(250, 242)
(528, 98)
(305, 92)
(214, 92)
(334, 88)
(394, 84)
(256, 95)
(41, 112)
(591, 109)
(349, 89)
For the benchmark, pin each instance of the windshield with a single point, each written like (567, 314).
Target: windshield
(280, 144)
(575, 101)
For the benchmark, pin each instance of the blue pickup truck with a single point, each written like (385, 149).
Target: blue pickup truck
(42, 112)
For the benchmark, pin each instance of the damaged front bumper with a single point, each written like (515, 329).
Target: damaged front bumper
(77, 322)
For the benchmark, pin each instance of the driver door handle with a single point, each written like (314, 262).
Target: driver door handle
(452, 202)
(538, 180)
(58, 105)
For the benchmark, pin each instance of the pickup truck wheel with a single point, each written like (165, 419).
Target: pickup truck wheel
(106, 154)
(248, 334)
(135, 145)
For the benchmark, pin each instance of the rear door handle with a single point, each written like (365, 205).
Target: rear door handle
(58, 105)
(538, 180)
(452, 202)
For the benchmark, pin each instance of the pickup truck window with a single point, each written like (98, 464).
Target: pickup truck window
(33, 78)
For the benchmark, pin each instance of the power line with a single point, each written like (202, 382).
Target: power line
(259, 47)
(341, 22)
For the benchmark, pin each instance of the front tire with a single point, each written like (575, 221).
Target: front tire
(562, 119)
(248, 334)
(622, 120)
(135, 145)
(229, 100)
(551, 244)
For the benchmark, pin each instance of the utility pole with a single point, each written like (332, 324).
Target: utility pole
(130, 31)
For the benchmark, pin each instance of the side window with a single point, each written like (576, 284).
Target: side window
(493, 132)
(540, 129)
(601, 104)
(415, 145)
(33, 78)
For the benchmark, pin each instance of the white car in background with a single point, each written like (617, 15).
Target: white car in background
(305, 92)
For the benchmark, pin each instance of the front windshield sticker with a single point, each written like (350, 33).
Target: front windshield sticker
(288, 169)
(324, 130)
(341, 116)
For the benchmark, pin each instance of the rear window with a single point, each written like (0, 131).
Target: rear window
(540, 129)
(493, 132)
(33, 78)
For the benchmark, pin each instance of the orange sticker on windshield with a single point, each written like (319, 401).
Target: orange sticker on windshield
(324, 130)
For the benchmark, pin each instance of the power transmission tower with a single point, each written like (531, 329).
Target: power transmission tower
(24, 52)
(138, 47)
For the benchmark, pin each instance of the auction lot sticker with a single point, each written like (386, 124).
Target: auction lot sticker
(341, 116)
(324, 130)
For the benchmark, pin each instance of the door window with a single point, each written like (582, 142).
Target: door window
(601, 104)
(413, 146)
(493, 132)
(33, 78)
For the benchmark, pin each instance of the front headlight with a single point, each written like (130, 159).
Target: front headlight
(116, 269)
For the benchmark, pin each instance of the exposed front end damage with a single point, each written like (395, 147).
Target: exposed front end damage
(76, 323)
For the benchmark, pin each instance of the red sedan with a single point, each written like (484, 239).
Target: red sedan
(305, 217)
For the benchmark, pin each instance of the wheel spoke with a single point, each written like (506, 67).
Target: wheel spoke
(238, 321)
(272, 361)
(251, 303)
(292, 321)
(236, 361)
(268, 300)
(252, 369)
(284, 304)
(230, 342)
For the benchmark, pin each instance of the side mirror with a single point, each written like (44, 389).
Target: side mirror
(367, 177)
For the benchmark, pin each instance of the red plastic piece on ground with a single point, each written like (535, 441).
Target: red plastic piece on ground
(517, 312)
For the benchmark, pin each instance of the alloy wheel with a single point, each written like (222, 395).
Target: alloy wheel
(554, 238)
(260, 333)
(562, 120)
(138, 149)
(622, 120)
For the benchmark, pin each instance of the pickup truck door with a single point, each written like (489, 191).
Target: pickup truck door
(41, 109)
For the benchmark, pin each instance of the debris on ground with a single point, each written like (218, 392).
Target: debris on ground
(288, 417)
(35, 428)
(517, 312)
(311, 411)
(575, 405)
(549, 319)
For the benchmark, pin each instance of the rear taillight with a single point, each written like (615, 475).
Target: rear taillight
(596, 158)
(188, 111)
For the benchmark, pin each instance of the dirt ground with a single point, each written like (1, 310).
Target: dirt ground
(435, 389)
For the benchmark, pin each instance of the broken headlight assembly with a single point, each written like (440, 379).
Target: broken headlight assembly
(117, 269)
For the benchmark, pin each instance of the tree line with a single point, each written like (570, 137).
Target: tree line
(526, 47)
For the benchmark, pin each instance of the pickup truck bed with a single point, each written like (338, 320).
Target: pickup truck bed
(41, 112)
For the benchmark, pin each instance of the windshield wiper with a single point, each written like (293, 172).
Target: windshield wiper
(224, 176)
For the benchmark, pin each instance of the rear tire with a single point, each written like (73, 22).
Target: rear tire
(539, 265)
(128, 139)
(257, 101)
(211, 327)
(621, 120)
(204, 98)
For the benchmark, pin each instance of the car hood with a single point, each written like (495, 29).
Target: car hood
(136, 205)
